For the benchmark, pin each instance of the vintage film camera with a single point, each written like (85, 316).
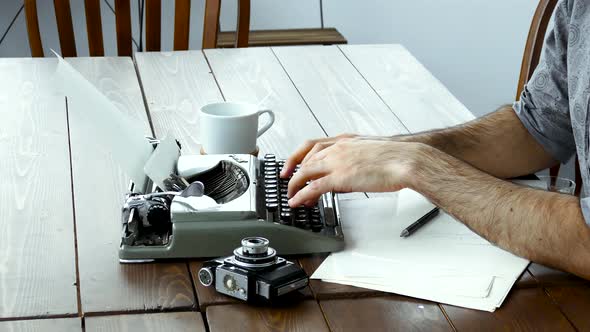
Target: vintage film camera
(254, 273)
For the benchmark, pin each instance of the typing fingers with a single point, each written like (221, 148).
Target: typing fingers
(306, 173)
(311, 193)
(296, 158)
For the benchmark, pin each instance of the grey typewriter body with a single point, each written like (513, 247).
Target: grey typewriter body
(243, 197)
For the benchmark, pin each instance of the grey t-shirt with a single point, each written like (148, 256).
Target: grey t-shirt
(554, 105)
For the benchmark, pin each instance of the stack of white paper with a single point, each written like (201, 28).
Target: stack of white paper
(444, 261)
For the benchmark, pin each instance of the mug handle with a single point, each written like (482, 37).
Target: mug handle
(267, 126)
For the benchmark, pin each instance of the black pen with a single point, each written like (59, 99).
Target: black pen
(419, 223)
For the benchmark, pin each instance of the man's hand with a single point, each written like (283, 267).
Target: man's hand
(344, 164)
(308, 149)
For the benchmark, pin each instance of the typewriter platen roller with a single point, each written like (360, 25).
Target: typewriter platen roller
(225, 199)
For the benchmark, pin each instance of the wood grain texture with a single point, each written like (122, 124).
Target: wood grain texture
(526, 280)
(300, 316)
(574, 303)
(153, 25)
(254, 75)
(284, 37)
(211, 23)
(123, 27)
(45, 325)
(176, 86)
(94, 27)
(547, 276)
(523, 310)
(328, 290)
(33, 28)
(106, 285)
(37, 257)
(391, 313)
(419, 100)
(243, 23)
(65, 27)
(169, 321)
(182, 12)
(336, 93)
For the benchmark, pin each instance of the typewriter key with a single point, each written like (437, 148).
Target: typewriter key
(271, 186)
(286, 218)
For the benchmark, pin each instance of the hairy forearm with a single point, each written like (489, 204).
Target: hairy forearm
(542, 226)
(497, 144)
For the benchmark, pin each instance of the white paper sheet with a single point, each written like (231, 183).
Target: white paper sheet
(163, 161)
(444, 261)
(103, 123)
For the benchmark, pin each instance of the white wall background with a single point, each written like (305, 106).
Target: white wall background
(473, 46)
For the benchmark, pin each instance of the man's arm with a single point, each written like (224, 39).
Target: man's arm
(497, 144)
(545, 227)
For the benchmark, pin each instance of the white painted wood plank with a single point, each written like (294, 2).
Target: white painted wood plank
(255, 76)
(176, 86)
(418, 99)
(37, 257)
(336, 93)
(45, 325)
(99, 189)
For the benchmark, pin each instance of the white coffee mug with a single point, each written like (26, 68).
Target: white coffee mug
(230, 127)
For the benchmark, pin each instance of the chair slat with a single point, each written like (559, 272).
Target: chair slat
(243, 26)
(211, 23)
(65, 27)
(33, 28)
(123, 25)
(153, 25)
(94, 27)
(182, 12)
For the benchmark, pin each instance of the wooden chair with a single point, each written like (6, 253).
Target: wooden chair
(213, 38)
(530, 60)
(153, 14)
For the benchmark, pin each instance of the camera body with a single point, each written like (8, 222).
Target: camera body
(254, 273)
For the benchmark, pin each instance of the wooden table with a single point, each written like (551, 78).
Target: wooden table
(60, 197)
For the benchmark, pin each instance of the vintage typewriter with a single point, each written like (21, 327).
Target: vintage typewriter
(205, 204)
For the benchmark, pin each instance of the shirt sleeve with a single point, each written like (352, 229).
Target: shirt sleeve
(543, 107)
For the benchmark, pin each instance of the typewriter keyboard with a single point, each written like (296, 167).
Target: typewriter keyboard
(276, 201)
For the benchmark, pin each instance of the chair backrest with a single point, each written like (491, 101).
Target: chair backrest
(534, 43)
(530, 60)
(153, 18)
(212, 10)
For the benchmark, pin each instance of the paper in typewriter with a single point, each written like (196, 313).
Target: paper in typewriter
(104, 125)
(444, 261)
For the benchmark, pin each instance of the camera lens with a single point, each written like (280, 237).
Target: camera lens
(254, 245)
(206, 276)
(255, 253)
